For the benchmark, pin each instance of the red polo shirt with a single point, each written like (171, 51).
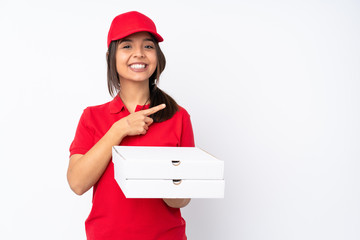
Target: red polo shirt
(112, 215)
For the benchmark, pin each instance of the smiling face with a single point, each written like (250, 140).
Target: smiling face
(136, 57)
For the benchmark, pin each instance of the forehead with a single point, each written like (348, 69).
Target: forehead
(138, 35)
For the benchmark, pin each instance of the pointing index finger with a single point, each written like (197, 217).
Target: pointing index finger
(154, 109)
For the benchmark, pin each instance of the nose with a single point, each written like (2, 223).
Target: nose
(139, 52)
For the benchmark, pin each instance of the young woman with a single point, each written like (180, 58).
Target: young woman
(140, 114)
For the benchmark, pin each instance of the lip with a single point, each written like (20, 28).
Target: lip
(138, 69)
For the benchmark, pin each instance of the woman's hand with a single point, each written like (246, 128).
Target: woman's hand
(177, 202)
(137, 123)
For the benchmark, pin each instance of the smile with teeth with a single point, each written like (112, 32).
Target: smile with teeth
(138, 66)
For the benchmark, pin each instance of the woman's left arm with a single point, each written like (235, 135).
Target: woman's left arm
(187, 140)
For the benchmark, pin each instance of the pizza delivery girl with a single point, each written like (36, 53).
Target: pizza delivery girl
(140, 114)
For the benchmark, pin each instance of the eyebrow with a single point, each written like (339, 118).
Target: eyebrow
(129, 40)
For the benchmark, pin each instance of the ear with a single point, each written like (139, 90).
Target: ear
(107, 54)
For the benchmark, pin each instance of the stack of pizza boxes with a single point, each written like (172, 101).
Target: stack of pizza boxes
(168, 172)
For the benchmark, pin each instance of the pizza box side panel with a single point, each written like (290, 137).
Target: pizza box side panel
(166, 170)
(119, 171)
(167, 189)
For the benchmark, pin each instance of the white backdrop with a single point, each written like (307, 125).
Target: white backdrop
(272, 88)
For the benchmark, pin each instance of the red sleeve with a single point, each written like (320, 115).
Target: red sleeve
(187, 135)
(84, 136)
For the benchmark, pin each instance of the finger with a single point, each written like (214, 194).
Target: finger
(148, 121)
(153, 110)
(146, 127)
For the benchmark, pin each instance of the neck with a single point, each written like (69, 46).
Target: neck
(134, 93)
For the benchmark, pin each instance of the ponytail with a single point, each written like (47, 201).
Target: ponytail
(157, 96)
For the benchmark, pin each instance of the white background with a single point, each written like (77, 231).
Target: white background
(272, 88)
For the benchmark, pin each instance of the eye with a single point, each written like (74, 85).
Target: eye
(126, 46)
(149, 47)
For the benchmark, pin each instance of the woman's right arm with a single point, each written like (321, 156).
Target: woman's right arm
(85, 170)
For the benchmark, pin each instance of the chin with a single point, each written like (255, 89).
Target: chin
(139, 79)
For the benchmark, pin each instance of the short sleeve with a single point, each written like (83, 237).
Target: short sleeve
(187, 135)
(84, 136)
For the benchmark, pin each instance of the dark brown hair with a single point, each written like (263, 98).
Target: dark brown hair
(157, 96)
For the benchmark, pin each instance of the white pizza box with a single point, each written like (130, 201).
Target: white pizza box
(168, 172)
